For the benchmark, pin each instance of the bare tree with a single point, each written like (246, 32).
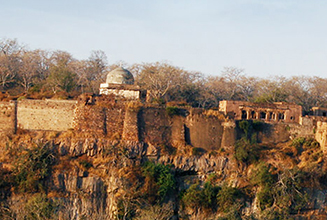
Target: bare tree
(159, 78)
(271, 90)
(10, 60)
(232, 77)
(28, 69)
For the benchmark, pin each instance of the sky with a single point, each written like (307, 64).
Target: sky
(264, 37)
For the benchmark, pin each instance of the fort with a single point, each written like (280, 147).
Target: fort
(132, 120)
(120, 111)
(102, 142)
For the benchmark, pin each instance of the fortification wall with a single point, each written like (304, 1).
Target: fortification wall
(55, 115)
(321, 135)
(204, 131)
(90, 118)
(274, 133)
(131, 130)
(8, 117)
(115, 118)
(155, 126)
(104, 115)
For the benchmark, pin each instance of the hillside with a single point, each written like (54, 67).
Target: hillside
(90, 175)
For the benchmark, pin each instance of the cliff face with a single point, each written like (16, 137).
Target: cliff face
(129, 161)
(90, 176)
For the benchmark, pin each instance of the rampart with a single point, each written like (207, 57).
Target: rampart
(8, 112)
(55, 115)
(154, 125)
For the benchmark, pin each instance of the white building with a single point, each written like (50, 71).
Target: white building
(120, 82)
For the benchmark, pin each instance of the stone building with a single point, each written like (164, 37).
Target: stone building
(269, 112)
(120, 82)
(319, 111)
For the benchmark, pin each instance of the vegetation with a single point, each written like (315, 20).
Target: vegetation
(42, 73)
(201, 198)
(32, 167)
(229, 196)
(150, 190)
(171, 111)
(246, 150)
(40, 207)
(263, 178)
(277, 178)
(161, 177)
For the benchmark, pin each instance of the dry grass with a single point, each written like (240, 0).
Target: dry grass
(64, 163)
(214, 113)
(79, 134)
(134, 105)
(57, 194)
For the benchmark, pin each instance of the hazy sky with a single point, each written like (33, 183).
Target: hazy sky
(264, 37)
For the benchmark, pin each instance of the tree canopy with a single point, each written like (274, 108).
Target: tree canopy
(41, 73)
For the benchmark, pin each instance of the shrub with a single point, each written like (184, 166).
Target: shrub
(245, 126)
(21, 98)
(310, 143)
(262, 177)
(172, 110)
(265, 198)
(302, 143)
(246, 151)
(162, 176)
(158, 212)
(168, 149)
(227, 197)
(258, 125)
(32, 168)
(204, 198)
(192, 197)
(5, 178)
(298, 142)
(40, 207)
(288, 191)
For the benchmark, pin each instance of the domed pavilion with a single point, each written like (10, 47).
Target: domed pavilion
(120, 82)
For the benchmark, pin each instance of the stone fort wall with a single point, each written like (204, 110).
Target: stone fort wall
(8, 116)
(55, 115)
(153, 125)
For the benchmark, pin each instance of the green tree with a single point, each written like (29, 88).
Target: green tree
(61, 75)
(162, 177)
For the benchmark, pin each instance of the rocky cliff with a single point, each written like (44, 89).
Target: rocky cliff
(74, 175)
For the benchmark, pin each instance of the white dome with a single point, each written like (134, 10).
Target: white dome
(120, 76)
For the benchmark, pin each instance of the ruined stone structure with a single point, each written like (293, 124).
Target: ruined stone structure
(153, 125)
(120, 82)
(104, 115)
(319, 111)
(278, 111)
